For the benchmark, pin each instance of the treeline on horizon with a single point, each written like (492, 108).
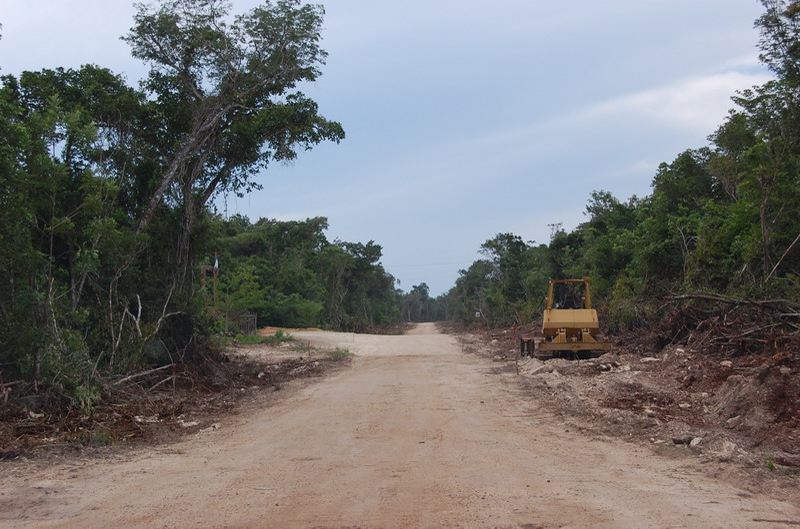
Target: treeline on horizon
(108, 231)
(288, 274)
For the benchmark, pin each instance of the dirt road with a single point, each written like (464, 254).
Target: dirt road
(415, 434)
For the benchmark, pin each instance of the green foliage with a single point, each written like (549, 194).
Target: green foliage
(249, 339)
(627, 306)
(103, 191)
(252, 339)
(769, 462)
(281, 336)
(508, 286)
(291, 276)
(224, 95)
(340, 354)
(417, 305)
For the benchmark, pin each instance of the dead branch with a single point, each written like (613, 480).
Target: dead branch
(143, 373)
(789, 249)
(136, 319)
(164, 314)
(783, 305)
(5, 389)
(171, 377)
(745, 333)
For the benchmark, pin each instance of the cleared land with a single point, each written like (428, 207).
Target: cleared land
(416, 433)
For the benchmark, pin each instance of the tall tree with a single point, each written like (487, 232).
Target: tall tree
(104, 188)
(225, 97)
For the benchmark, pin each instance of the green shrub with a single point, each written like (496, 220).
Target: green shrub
(279, 337)
(339, 353)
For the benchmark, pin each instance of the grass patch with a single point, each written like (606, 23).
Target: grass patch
(91, 438)
(254, 339)
(769, 462)
(278, 337)
(339, 354)
(249, 339)
(242, 339)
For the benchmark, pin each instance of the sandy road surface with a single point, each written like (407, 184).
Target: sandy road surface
(415, 434)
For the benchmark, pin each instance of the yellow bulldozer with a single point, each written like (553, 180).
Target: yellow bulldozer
(570, 328)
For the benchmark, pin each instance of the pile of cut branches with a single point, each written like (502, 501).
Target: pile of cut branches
(728, 326)
(154, 404)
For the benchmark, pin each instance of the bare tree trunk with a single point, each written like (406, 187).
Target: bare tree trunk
(766, 182)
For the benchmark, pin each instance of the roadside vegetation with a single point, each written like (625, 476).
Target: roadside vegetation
(717, 240)
(107, 225)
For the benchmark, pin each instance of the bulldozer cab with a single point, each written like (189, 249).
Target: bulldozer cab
(569, 294)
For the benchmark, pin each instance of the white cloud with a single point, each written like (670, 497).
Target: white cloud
(697, 105)
(692, 107)
(418, 178)
(743, 62)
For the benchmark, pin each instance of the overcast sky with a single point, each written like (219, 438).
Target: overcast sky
(464, 119)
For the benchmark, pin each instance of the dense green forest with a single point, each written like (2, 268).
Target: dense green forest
(108, 231)
(106, 199)
(289, 275)
(724, 218)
